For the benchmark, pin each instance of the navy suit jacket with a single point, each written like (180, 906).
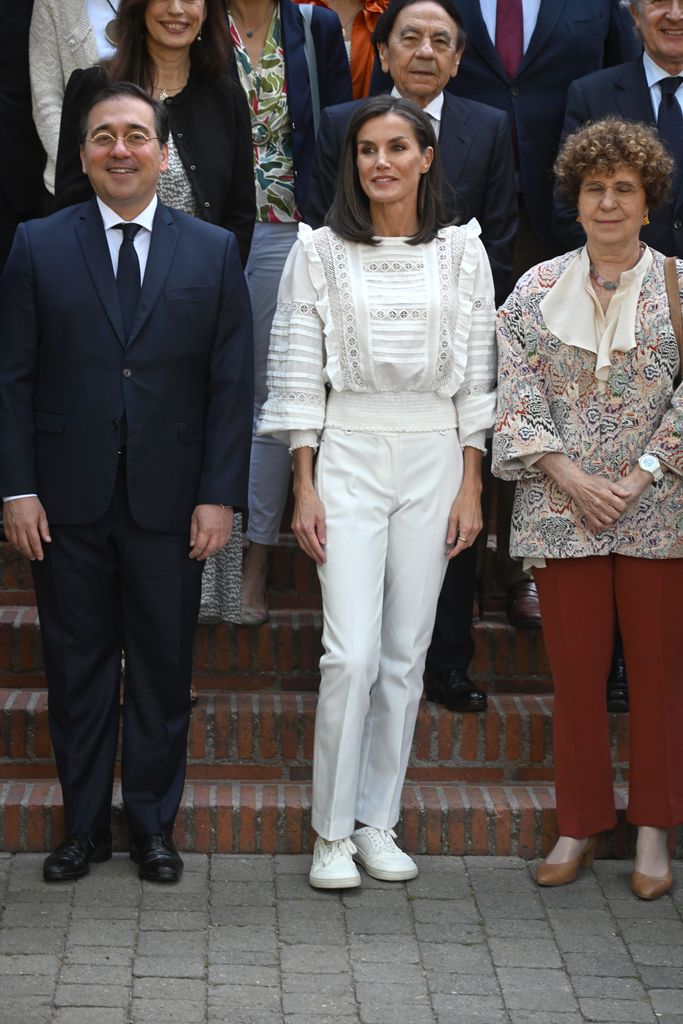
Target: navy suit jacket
(68, 374)
(475, 149)
(334, 80)
(619, 92)
(571, 39)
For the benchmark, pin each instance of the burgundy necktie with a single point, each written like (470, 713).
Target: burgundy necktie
(510, 34)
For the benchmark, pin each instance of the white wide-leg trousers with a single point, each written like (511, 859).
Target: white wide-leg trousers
(387, 498)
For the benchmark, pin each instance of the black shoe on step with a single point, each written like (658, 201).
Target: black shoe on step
(454, 690)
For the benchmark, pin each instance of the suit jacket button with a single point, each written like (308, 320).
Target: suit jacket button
(514, 91)
(193, 167)
(115, 423)
(127, 372)
(678, 224)
(207, 204)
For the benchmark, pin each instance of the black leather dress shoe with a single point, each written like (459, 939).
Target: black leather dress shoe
(454, 690)
(72, 857)
(158, 859)
(617, 687)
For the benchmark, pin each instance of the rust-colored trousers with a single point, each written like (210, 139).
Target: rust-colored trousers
(580, 598)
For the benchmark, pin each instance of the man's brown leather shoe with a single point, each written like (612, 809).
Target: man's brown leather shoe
(523, 608)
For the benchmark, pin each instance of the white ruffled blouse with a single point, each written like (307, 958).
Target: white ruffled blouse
(400, 335)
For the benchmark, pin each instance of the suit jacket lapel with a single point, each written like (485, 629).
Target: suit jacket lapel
(161, 251)
(455, 138)
(548, 16)
(632, 93)
(90, 233)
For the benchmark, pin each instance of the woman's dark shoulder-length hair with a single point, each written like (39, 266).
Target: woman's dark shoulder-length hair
(349, 216)
(209, 55)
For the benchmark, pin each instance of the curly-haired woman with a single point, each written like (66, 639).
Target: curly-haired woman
(590, 424)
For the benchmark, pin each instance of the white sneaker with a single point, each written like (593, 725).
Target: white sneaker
(377, 852)
(333, 866)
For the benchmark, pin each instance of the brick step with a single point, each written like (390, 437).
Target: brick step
(263, 736)
(283, 654)
(243, 817)
(292, 578)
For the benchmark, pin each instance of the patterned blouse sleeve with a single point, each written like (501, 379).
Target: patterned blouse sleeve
(524, 423)
(296, 388)
(475, 399)
(667, 441)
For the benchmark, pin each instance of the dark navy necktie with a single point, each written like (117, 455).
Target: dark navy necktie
(128, 274)
(670, 122)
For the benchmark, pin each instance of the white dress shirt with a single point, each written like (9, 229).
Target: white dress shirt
(114, 235)
(432, 110)
(654, 74)
(114, 238)
(530, 8)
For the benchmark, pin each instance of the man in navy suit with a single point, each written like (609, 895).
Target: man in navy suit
(420, 44)
(633, 91)
(125, 426)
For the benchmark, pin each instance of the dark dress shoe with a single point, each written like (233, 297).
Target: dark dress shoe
(523, 608)
(72, 857)
(617, 687)
(157, 857)
(454, 690)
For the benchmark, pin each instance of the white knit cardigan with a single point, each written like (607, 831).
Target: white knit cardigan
(61, 40)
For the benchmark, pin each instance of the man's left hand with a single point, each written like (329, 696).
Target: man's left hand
(210, 529)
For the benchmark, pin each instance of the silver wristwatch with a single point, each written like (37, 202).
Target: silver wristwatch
(650, 463)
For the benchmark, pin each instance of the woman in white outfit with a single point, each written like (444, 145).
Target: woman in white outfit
(382, 353)
(65, 35)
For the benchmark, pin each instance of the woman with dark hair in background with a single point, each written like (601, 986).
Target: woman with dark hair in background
(178, 51)
(383, 354)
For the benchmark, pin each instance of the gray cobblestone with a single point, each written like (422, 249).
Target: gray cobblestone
(245, 940)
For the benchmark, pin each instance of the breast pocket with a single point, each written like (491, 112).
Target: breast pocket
(49, 422)
(191, 293)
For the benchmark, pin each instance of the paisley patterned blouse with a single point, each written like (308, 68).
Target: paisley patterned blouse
(549, 400)
(266, 90)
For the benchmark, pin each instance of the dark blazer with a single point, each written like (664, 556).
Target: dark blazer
(571, 39)
(475, 149)
(22, 194)
(211, 129)
(621, 92)
(334, 80)
(68, 377)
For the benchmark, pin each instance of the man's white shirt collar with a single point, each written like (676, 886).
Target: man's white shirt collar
(145, 219)
(432, 109)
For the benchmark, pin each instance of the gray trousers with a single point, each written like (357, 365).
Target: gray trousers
(270, 466)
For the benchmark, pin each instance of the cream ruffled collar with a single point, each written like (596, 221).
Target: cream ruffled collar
(573, 314)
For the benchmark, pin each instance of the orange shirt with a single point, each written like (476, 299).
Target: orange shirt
(362, 50)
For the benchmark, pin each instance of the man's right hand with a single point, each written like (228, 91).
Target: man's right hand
(26, 526)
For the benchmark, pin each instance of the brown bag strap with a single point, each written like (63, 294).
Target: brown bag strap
(674, 296)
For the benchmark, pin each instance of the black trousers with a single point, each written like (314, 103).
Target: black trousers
(103, 588)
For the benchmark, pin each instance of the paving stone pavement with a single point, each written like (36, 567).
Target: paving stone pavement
(245, 940)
